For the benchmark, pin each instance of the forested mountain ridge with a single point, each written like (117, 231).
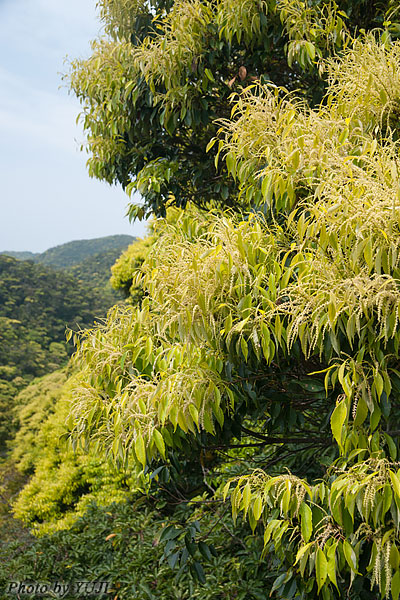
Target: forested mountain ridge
(90, 261)
(96, 268)
(37, 303)
(73, 253)
(23, 255)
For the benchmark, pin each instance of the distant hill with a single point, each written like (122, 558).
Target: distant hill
(37, 303)
(41, 294)
(73, 253)
(96, 269)
(21, 255)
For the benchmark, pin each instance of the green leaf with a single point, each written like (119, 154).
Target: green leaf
(391, 445)
(257, 508)
(362, 412)
(302, 551)
(337, 421)
(210, 144)
(148, 347)
(310, 50)
(140, 450)
(173, 559)
(199, 571)
(205, 550)
(306, 521)
(226, 490)
(395, 483)
(169, 533)
(159, 441)
(246, 497)
(394, 557)
(245, 350)
(331, 559)
(285, 502)
(278, 582)
(395, 586)
(194, 413)
(209, 74)
(191, 546)
(122, 361)
(230, 163)
(350, 555)
(321, 568)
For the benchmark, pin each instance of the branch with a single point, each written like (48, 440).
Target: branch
(270, 441)
(277, 440)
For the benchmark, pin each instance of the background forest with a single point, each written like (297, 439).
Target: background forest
(230, 429)
(38, 303)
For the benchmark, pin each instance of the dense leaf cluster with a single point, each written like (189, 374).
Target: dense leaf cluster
(121, 544)
(124, 270)
(63, 482)
(152, 91)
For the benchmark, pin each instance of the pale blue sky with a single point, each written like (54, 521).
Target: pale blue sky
(46, 196)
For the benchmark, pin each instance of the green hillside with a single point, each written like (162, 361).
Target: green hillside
(96, 269)
(22, 255)
(73, 253)
(37, 303)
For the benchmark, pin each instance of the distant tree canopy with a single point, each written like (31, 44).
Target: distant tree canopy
(262, 364)
(165, 71)
(72, 254)
(75, 252)
(95, 271)
(36, 305)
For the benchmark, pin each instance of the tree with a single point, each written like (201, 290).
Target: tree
(154, 86)
(272, 335)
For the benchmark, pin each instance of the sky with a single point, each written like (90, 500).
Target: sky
(46, 195)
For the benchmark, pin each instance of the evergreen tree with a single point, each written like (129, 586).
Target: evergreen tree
(262, 364)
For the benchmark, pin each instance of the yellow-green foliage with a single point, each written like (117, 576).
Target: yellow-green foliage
(34, 405)
(312, 274)
(290, 150)
(312, 29)
(240, 19)
(63, 482)
(100, 78)
(365, 83)
(364, 491)
(119, 16)
(199, 276)
(182, 38)
(127, 267)
(174, 60)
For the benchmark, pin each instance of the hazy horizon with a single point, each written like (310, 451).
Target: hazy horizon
(3, 250)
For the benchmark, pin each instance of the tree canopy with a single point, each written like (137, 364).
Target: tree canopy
(164, 73)
(261, 364)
